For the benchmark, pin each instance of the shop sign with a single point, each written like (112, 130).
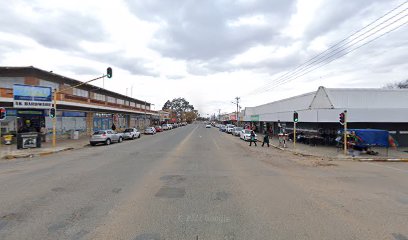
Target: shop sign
(73, 114)
(255, 118)
(30, 112)
(26, 96)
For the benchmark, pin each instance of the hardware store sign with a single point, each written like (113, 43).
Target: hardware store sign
(26, 96)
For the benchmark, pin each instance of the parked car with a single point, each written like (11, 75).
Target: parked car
(246, 135)
(207, 126)
(223, 128)
(106, 137)
(165, 127)
(236, 131)
(175, 125)
(229, 128)
(131, 133)
(158, 129)
(150, 130)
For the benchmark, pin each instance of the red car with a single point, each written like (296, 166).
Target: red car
(158, 129)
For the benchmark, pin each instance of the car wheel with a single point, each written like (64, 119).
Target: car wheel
(120, 140)
(133, 137)
(139, 136)
(108, 141)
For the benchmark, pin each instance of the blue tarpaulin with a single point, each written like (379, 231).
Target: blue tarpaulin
(372, 137)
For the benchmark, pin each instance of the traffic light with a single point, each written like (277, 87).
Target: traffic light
(2, 113)
(342, 118)
(52, 113)
(295, 117)
(109, 72)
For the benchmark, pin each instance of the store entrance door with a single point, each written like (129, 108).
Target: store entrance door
(30, 120)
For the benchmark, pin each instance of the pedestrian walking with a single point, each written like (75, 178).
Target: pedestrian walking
(113, 127)
(252, 139)
(266, 139)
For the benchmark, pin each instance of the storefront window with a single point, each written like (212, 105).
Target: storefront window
(80, 92)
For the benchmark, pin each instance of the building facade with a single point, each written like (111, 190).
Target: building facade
(319, 111)
(85, 108)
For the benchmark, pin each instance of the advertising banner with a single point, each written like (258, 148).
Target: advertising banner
(26, 96)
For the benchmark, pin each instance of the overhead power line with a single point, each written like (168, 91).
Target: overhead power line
(339, 47)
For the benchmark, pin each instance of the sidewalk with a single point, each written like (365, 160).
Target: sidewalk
(332, 152)
(11, 151)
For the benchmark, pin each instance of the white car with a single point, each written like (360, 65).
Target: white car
(150, 130)
(246, 135)
(165, 127)
(208, 126)
(131, 133)
(229, 129)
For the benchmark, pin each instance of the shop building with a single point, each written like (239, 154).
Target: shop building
(319, 111)
(26, 92)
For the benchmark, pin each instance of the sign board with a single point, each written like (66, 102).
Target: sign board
(26, 96)
(255, 118)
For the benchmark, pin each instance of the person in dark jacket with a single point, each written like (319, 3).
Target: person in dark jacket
(253, 139)
(113, 127)
(266, 139)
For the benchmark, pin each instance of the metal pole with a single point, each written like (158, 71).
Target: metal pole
(294, 134)
(345, 132)
(54, 121)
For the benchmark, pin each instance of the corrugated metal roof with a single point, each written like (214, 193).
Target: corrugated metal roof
(368, 97)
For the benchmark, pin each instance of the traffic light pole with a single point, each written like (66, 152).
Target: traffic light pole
(294, 135)
(345, 132)
(54, 120)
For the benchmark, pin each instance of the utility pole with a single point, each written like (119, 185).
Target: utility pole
(219, 115)
(237, 114)
(345, 132)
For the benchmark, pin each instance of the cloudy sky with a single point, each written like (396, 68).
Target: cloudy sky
(209, 51)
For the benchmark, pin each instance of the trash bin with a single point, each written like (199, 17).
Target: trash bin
(74, 134)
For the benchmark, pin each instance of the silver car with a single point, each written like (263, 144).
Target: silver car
(131, 133)
(150, 130)
(236, 131)
(105, 137)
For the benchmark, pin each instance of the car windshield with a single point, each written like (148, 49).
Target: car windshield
(99, 132)
(129, 130)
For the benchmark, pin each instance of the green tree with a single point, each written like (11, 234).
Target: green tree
(179, 106)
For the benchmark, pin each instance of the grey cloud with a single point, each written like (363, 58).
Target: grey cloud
(81, 70)
(137, 66)
(59, 30)
(333, 13)
(199, 30)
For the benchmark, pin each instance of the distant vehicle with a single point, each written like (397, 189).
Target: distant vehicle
(165, 127)
(106, 137)
(246, 135)
(223, 128)
(175, 125)
(150, 130)
(229, 128)
(207, 126)
(131, 133)
(236, 131)
(158, 129)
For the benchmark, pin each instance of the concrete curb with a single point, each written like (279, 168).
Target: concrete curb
(341, 158)
(39, 154)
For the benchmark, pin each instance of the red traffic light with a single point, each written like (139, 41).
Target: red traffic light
(3, 113)
(342, 118)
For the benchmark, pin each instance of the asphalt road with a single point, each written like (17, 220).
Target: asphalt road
(197, 183)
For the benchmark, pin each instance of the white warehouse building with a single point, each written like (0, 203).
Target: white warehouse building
(319, 111)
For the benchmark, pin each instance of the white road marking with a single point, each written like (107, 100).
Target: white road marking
(394, 168)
